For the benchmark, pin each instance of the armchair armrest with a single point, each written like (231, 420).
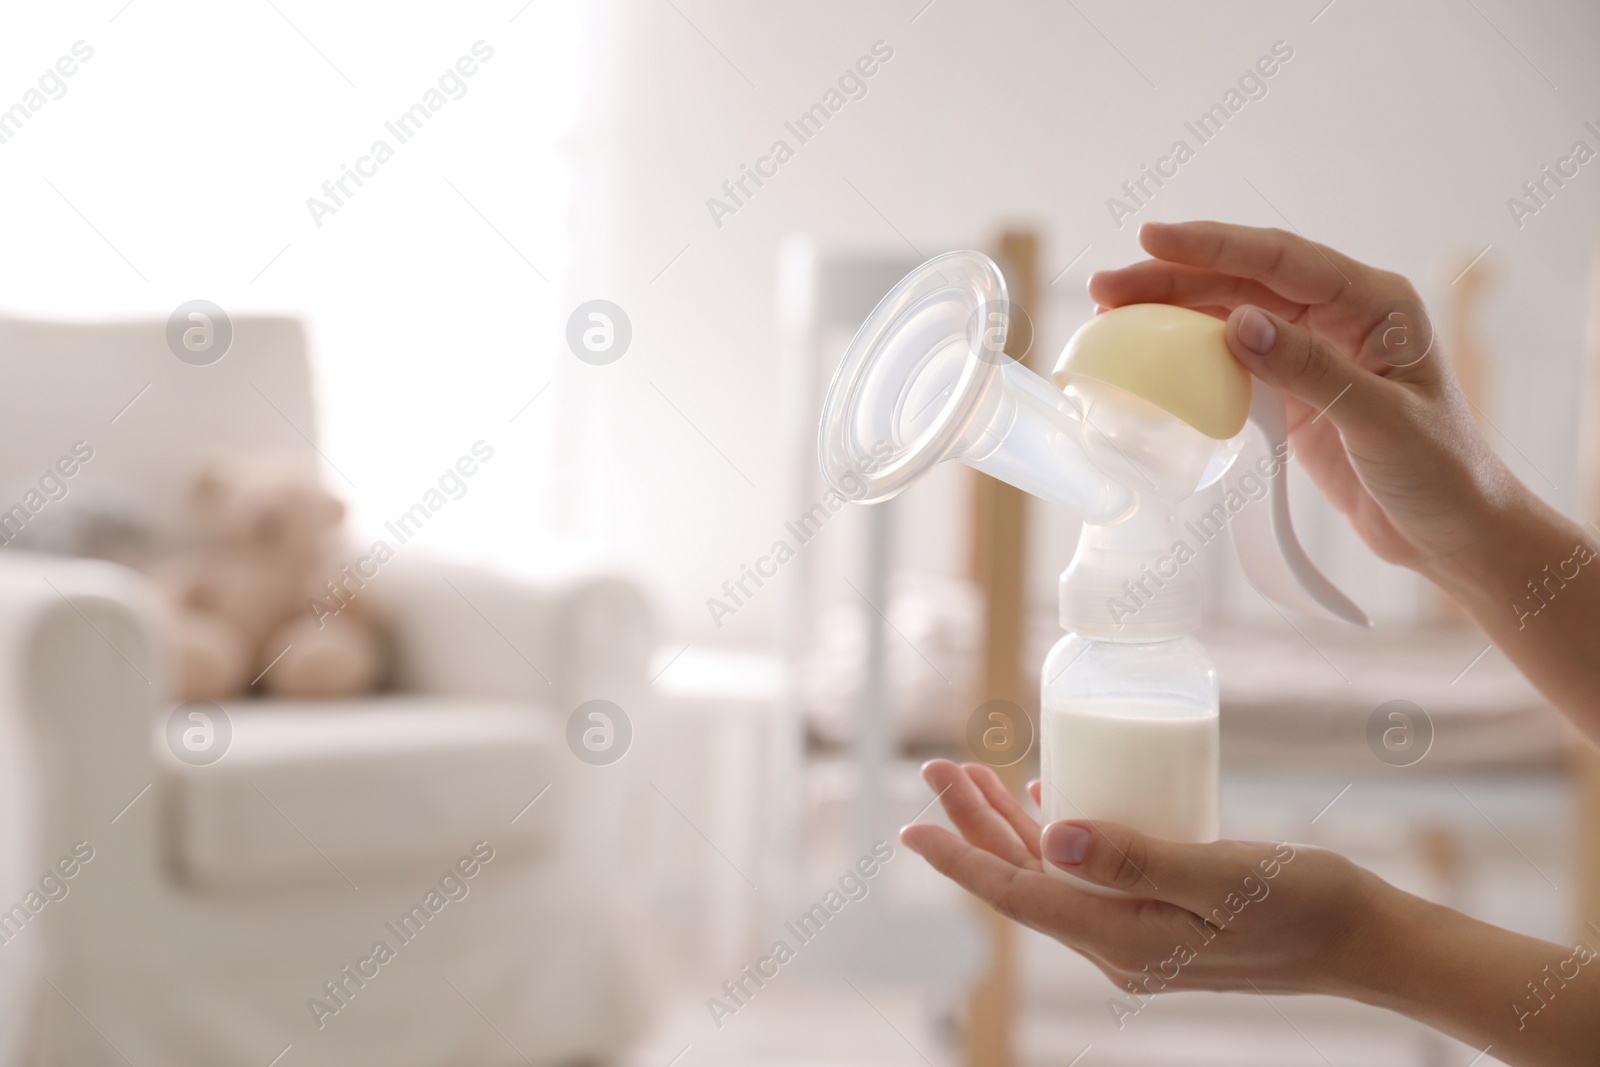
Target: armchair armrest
(82, 673)
(558, 642)
(81, 676)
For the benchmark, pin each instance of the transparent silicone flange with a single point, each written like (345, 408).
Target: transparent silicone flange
(927, 379)
(878, 426)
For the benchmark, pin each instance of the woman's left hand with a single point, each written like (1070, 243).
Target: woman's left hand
(1233, 915)
(1229, 915)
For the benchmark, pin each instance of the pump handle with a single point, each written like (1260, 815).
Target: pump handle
(1273, 560)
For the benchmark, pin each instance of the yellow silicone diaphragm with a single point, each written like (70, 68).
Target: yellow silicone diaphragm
(1175, 358)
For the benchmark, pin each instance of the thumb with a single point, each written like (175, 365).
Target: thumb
(1196, 877)
(1304, 366)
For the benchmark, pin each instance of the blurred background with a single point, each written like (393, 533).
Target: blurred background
(491, 286)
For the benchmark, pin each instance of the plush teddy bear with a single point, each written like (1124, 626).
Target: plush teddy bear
(244, 599)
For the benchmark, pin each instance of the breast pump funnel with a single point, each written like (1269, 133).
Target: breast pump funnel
(927, 379)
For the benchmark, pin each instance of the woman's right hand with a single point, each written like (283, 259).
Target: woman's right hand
(1375, 415)
(1377, 420)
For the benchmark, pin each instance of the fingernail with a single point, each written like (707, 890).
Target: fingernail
(1065, 844)
(1257, 332)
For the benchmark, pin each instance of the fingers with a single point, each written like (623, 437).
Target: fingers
(1156, 281)
(1038, 900)
(1124, 933)
(1306, 367)
(1195, 877)
(977, 870)
(973, 814)
(1374, 314)
(1286, 263)
(1000, 798)
(1034, 791)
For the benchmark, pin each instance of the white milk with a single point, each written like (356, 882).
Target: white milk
(1148, 764)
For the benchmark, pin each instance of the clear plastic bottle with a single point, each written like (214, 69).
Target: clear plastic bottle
(1128, 733)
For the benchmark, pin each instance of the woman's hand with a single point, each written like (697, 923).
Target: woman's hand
(1378, 422)
(1230, 915)
(1375, 415)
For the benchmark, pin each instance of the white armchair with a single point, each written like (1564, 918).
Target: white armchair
(221, 899)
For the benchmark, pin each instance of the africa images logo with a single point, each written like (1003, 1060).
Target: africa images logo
(198, 732)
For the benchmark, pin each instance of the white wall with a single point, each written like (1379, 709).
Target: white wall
(1396, 133)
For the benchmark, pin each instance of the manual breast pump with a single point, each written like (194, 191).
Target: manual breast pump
(1146, 407)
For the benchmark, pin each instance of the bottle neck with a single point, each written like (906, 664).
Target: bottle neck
(1132, 580)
